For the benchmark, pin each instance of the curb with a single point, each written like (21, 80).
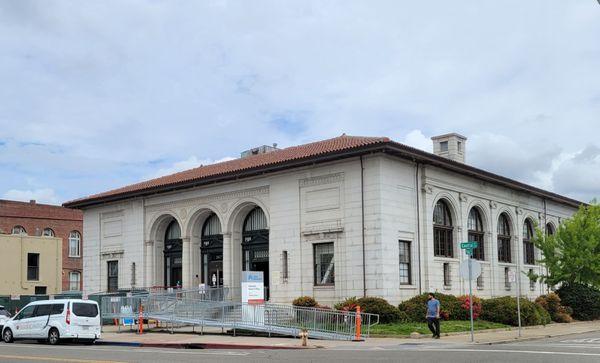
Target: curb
(197, 345)
(516, 339)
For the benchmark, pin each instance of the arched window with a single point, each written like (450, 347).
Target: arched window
(475, 227)
(528, 248)
(504, 237)
(255, 221)
(550, 229)
(442, 230)
(48, 232)
(74, 244)
(212, 226)
(19, 230)
(173, 231)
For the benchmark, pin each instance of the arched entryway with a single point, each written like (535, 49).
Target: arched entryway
(212, 252)
(172, 252)
(255, 245)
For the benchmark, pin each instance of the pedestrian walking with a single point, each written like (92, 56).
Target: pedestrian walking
(433, 315)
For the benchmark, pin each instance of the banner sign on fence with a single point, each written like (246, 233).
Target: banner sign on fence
(253, 288)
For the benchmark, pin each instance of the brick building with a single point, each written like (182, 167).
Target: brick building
(45, 220)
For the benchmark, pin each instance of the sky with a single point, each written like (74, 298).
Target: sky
(100, 94)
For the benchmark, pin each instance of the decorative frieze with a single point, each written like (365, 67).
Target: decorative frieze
(220, 197)
(322, 179)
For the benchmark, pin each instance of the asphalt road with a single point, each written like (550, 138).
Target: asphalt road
(573, 348)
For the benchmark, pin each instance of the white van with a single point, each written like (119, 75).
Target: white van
(53, 320)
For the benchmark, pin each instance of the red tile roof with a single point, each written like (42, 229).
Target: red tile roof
(326, 150)
(306, 151)
(11, 208)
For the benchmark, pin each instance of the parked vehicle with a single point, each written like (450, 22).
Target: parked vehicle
(4, 316)
(54, 320)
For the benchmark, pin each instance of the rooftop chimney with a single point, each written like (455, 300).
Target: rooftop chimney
(450, 146)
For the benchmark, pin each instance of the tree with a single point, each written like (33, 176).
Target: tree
(572, 254)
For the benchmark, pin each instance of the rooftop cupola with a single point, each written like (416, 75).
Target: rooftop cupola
(451, 146)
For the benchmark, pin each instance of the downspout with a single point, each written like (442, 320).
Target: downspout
(545, 234)
(362, 206)
(417, 192)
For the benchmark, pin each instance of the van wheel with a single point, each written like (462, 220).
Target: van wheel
(53, 336)
(8, 336)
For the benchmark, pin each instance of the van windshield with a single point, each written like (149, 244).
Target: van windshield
(85, 310)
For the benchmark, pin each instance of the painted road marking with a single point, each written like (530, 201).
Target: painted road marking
(511, 351)
(52, 359)
(141, 350)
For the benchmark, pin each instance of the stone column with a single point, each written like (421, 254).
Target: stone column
(195, 262)
(149, 268)
(227, 261)
(186, 263)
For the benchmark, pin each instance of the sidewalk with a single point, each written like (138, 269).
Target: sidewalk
(212, 339)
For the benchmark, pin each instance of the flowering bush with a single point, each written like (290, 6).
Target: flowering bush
(464, 305)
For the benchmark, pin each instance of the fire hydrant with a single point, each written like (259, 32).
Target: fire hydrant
(304, 335)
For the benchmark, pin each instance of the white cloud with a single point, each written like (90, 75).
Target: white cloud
(416, 139)
(121, 89)
(44, 195)
(189, 163)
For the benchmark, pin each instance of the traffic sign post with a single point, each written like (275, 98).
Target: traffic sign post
(470, 275)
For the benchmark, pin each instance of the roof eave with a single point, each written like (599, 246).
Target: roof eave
(391, 147)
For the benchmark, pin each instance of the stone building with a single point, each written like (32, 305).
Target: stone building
(43, 220)
(347, 216)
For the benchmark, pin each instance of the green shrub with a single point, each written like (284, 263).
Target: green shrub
(348, 305)
(416, 307)
(543, 314)
(305, 301)
(552, 304)
(376, 305)
(504, 310)
(583, 300)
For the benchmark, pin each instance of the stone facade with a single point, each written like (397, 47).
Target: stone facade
(321, 203)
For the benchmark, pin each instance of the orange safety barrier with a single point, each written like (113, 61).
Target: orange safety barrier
(358, 323)
(141, 320)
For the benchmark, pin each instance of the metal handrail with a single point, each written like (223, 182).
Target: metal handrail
(188, 307)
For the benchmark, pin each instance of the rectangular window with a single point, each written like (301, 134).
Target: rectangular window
(447, 277)
(40, 290)
(113, 276)
(442, 242)
(480, 281)
(284, 266)
(33, 266)
(504, 249)
(324, 264)
(57, 308)
(85, 310)
(531, 281)
(459, 146)
(43, 310)
(444, 146)
(405, 275)
(74, 248)
(74, 281)
(479, 252)
(507, 278)
(529, 252)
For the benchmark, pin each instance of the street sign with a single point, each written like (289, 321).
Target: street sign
(468, 245)
(512, 276)
(475, 269)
